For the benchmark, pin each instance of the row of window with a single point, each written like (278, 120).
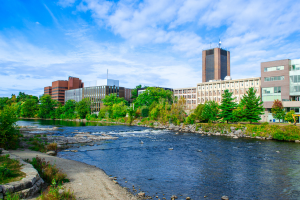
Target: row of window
(60, 88)
(271, 90)
(295, 78)
(228, 84)
(270, 69)
(274, 78)
(296, 88)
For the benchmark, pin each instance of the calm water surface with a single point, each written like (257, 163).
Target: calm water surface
(238, 168)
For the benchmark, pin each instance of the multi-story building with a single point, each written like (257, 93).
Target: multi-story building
(215, 64)
(58, 88)
(190, 95)
(213, 90)
(280, 80)
(97, 92)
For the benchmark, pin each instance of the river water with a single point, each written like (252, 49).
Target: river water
(201, 167)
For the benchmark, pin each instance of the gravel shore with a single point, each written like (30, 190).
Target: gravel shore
(87, 182)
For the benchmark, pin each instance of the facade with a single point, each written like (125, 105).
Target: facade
(215, 64)
(213, 90)
(190, 95)
(280, 80)
(96, 94)
(58, 88)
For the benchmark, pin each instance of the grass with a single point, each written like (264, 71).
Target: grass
(52, 147)
(13, 196)
(53, 193)
(10, 170)
(47, 171)
(37, 144)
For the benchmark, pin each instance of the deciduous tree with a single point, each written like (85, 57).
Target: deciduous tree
(210, 111)
(277, 110)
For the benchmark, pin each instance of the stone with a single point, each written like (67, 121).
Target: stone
(141, 194)
(51, 153)
(1, 195)
(0, 188)
(74, 151)
(232, 129)
(225, 198)
(174, 197)
(297, 141)
(257, 137)
(235, 137)
(115, 182)
(238, 132)
(218, 133)
(188, 198)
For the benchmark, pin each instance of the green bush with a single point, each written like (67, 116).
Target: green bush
(47, 171)
(9, 134)
(144, 111)
(10, 170)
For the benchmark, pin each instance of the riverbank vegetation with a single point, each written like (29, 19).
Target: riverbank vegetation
(10, 170)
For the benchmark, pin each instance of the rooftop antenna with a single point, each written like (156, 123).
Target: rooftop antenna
(107, 74)
(219, 43)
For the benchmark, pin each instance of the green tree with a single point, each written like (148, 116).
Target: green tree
(59, 111)
(119, 110)
(69, 109)
(134, 93)
(8, 133)
(47, 107)
(110, 100)
(252, 106)
(210, 111)
(153, 94)
(289, 116)
(277, 110)
(198, 112)
(83, 108)
(227, 106)
(29, 108)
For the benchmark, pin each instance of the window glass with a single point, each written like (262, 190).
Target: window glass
(296, 110)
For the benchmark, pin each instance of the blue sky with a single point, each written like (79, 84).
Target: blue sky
(155, 43)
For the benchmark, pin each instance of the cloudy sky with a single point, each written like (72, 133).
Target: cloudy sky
(152, 42)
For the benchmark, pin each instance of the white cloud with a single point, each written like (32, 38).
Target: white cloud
(66, 3)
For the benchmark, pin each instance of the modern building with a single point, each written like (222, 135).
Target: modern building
(190, 95)
(58, 88)
(97, 92)
(213, 90)
(215, 64)
(280, 80)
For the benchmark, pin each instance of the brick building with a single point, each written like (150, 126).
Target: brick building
(58, 88)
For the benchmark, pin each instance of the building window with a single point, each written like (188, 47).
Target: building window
(271, 93)
(274, 78)
(270, 69)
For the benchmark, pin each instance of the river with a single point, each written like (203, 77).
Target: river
(201, 167)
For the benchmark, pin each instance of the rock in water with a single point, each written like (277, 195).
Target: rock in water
(188, 198)
(51, 153)
(141, 194)
(225, 198)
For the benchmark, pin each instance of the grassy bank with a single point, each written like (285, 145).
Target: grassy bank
(10, 170)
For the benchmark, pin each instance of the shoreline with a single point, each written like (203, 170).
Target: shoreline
(235, 131)
(86, 181)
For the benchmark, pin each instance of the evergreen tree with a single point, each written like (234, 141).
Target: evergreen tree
(252, 106)
(278, 110)
(210, 111)
(227, 106)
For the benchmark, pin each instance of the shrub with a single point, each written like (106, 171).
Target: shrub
(9, 135)
(38, 145)
(144, 111)
(47, 171)
(52, 193)
(14, 196)
(52, 147)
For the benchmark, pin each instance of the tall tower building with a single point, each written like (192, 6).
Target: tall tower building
(215, 64)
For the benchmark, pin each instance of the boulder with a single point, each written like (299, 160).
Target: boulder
(51, 153)
(141, 194)
(238, 132)
(297, 141)
(235, 137)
